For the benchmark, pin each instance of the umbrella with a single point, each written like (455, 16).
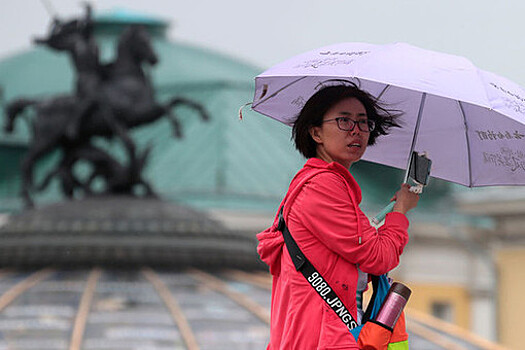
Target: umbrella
(470, 122)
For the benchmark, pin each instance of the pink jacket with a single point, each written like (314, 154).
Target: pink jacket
(321, 210)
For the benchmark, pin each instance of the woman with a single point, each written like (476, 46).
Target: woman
(321, 210)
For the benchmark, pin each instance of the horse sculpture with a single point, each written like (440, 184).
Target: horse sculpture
(119, 179)
(125, 99)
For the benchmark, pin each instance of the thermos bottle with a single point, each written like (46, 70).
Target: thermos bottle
(393, 305)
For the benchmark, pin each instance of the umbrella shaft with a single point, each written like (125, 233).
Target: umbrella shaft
(414, 137)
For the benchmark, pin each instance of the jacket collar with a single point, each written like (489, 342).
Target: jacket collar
(335, 167)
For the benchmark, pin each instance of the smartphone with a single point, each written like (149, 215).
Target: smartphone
(420, 166)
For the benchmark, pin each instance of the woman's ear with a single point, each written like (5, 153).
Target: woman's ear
(315, 133)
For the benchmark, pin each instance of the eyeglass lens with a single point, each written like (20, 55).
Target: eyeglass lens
(348, 124)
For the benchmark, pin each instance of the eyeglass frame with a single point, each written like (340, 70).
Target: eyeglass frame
(371, 124)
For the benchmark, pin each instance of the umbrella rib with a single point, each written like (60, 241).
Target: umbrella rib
(383, 92)
(468, 143)
(416, 132)
(275, 93)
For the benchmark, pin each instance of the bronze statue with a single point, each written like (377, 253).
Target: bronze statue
(108, 101)
(76, 38)
(119, 179)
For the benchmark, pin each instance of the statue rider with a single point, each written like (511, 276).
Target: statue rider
(76, 37)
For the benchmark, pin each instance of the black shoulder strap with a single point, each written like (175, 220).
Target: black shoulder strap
(375, 286)
(313, 277)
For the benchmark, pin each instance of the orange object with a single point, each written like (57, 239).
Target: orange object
(376, 337)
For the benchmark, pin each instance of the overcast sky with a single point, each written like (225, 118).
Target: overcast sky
(491, 33)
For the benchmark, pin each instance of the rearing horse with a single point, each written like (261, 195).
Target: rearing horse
(126, 100)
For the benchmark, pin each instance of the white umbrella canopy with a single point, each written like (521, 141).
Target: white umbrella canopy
(469, 121)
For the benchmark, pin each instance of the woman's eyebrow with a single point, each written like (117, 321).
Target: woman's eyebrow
(348, 113)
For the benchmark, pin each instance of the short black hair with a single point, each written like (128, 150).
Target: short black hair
(316, 107)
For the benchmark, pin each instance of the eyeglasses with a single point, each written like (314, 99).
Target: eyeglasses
(347, 124)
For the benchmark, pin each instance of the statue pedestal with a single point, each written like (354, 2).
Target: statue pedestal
(122, 231)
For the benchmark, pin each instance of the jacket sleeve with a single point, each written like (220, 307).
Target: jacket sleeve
(327, 210)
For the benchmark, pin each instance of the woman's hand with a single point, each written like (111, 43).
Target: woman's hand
(405, 200)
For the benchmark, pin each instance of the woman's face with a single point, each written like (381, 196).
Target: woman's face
(336, 145)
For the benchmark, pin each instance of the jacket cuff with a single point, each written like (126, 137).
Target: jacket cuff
(397, 218)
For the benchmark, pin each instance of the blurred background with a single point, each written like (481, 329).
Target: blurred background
(465, 259)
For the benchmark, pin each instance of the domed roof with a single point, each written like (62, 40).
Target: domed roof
(152, 308)
(123, 16)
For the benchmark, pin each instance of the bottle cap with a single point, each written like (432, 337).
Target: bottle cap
(401, 289)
